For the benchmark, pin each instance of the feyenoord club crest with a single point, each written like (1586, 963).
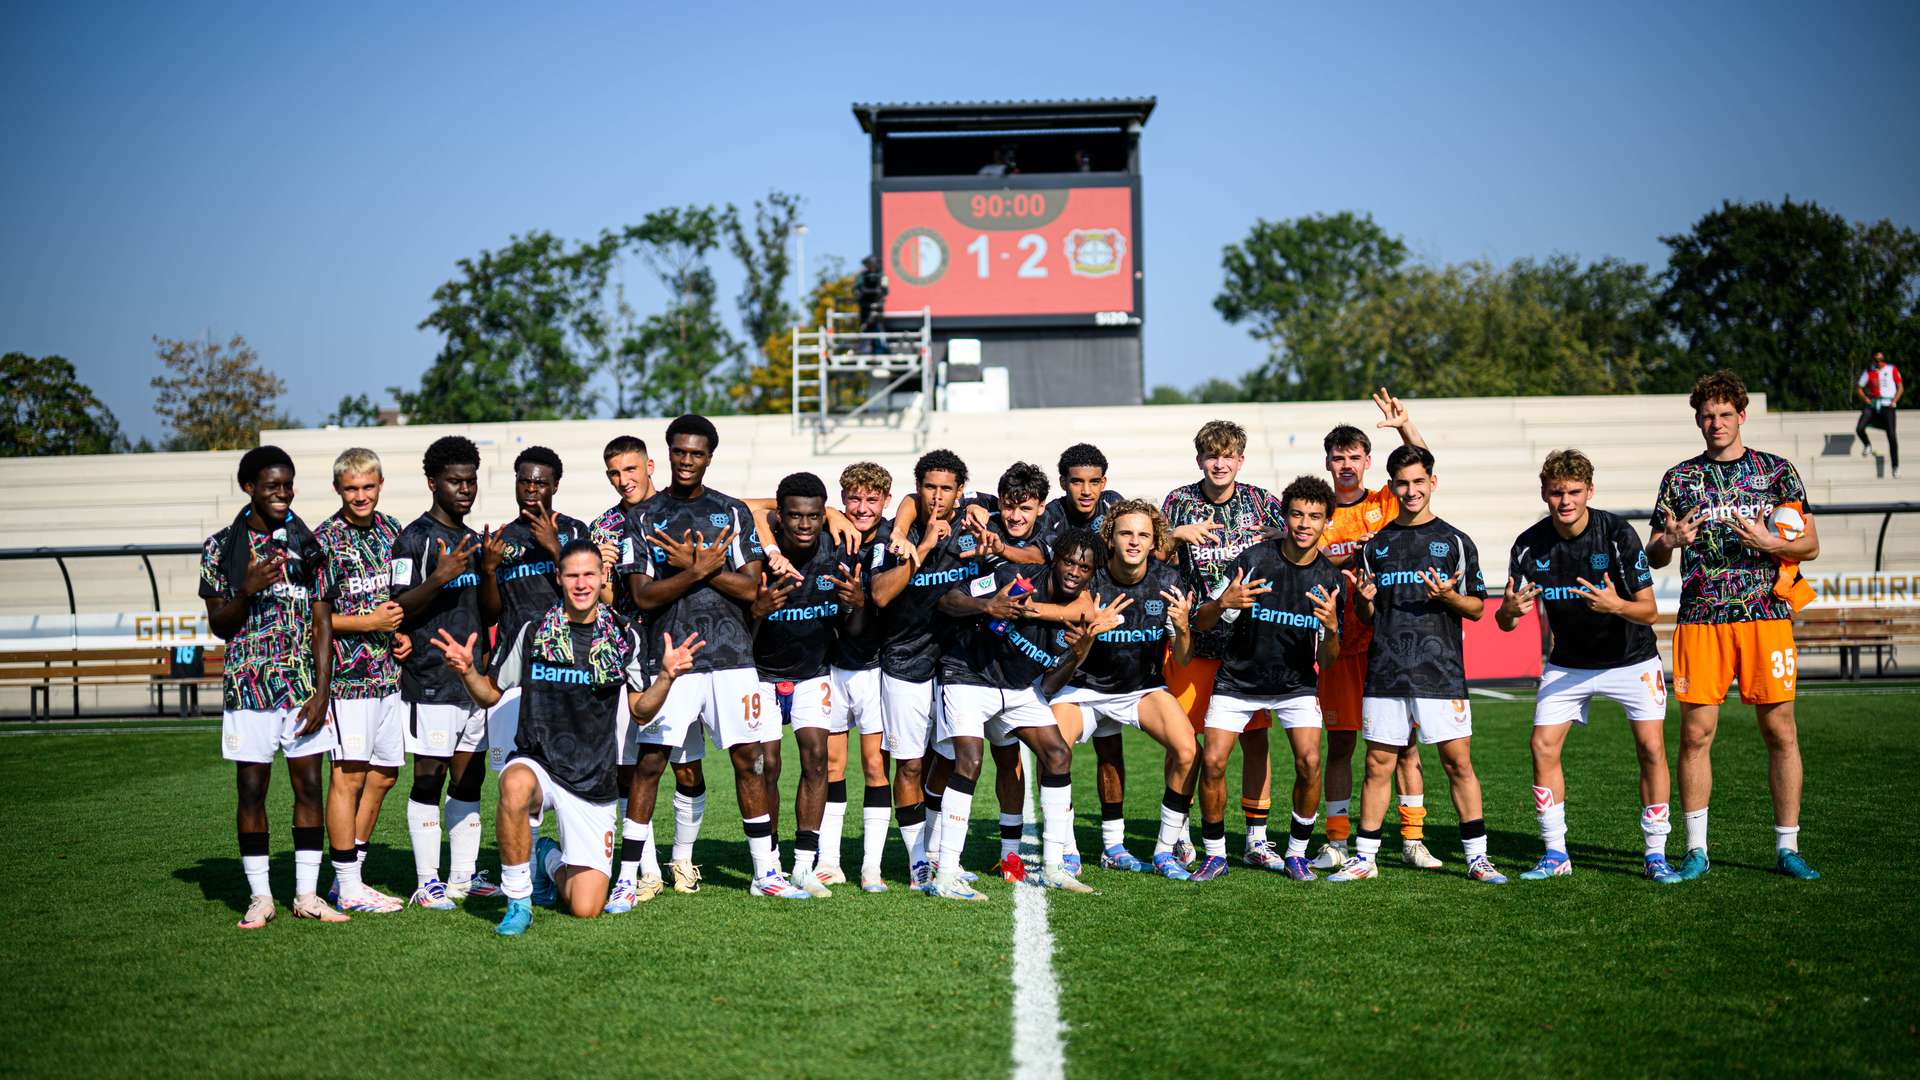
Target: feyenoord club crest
(1095, 252)
(920, 256)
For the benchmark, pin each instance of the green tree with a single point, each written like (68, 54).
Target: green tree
(1168, 395)
(214, 396)
(770, 385)
(764, 251)
(1288, 277)
(676, 355)
(1792, 296)
(354, 411)
(522, 331)
(50, 411)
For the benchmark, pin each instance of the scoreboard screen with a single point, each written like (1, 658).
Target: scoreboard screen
(986, 252)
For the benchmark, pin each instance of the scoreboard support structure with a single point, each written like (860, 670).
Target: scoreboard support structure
(1018, 224)
(849, 377)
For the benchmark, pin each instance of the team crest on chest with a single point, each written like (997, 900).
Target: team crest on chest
(718, 521)
(1439, 548)
(823, 583)
(1156, 608)
(965, 543)
(1373, 514)
(1599, 561)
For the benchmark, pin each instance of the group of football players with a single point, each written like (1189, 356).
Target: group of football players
(582, 660)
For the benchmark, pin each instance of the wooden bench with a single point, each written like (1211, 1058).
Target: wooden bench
(1849, 632)
(41, 672)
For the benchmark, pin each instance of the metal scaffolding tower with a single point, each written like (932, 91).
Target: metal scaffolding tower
(882, 379)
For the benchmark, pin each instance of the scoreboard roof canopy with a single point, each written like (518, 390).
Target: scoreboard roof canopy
(880, 119)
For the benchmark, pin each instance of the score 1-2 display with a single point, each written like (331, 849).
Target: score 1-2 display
(1053, 251)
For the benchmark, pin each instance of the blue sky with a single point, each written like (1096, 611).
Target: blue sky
(307, 177)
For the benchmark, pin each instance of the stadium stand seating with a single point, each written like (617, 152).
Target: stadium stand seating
(1488, 453)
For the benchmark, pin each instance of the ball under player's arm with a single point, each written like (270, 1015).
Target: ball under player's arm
(461, 661)
(1761, 537)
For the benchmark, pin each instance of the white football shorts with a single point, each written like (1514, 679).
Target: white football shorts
(1567, 693)
(1392, 721)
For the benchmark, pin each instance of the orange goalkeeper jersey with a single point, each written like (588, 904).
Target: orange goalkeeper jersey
(1345, 532)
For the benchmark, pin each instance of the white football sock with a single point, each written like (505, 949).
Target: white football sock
(688, 813)
(306, 871)
(1697, 829)
(760, 846)
(255, 867)
(642, 834)
(877, 808)
(1366, 847)
(423, 825)
(463, 839)
(516, 880)
(1173, 821)
(1553, 826)
(1299, 834)
(832, 821)
(1113, 831)
(1655, 823)
(346, 875)
(955, 807)
(554, 862)
(1056, 821)
(1786, 837)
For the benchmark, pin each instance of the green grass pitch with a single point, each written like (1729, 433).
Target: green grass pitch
(123, 886)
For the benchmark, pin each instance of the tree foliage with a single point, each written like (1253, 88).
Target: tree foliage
(1306, 268)
(214, 396)
(354, 411)
(522, 331)
(1793, 296)
(50, 411)
(770, 385)
(766, 260)
(675, 354)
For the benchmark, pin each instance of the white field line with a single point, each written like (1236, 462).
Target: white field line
(1039, 1053)
(1497, 695)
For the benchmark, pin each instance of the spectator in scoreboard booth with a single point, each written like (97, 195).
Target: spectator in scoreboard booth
(525, 577)
(1587, 570)
(1880, 390)
(368, 716)
(439, 580)
(265, 583)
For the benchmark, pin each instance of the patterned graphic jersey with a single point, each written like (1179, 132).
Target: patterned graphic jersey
(1608, 547)
(610, 529)
(1243, 517)
(1347, 527)
(359, 571)
(1132, 655)
(795, 641)
(721, 621)
(1009, 660)
(574, 678)
(1271, 645)
(1721, 579)
(1417, 649)
(1059, 516)
(526, 578)
(269, 662)
(861, 651)
(424, 676)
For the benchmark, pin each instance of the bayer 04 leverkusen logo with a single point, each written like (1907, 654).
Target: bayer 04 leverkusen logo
(919, 256)
(1095, 252)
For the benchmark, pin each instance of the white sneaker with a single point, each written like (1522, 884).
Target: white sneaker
(1415, 853)
(871, 881)
(259, 913)
(1056, 877)
(686, 876)
(1333, 855)
(831, 875)
(953, 888)
(477, 885)
(775, 884)
(1356, 869)
(311, 906)
(812, 885)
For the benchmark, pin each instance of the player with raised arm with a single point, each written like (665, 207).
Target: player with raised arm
(526, 578)
(369, 718)
(1586, 569)
(1358, 513)
(798, 615)
(1123, 680)
(989, 690)
(1417, 580)
(581, 672)
(1740, 521)
(1283, 605)
(264, 580)
(1214, 519)
(439, 583)
(699, 574)
(864, 487)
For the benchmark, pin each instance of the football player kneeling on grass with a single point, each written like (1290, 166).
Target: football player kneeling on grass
(573, 666)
